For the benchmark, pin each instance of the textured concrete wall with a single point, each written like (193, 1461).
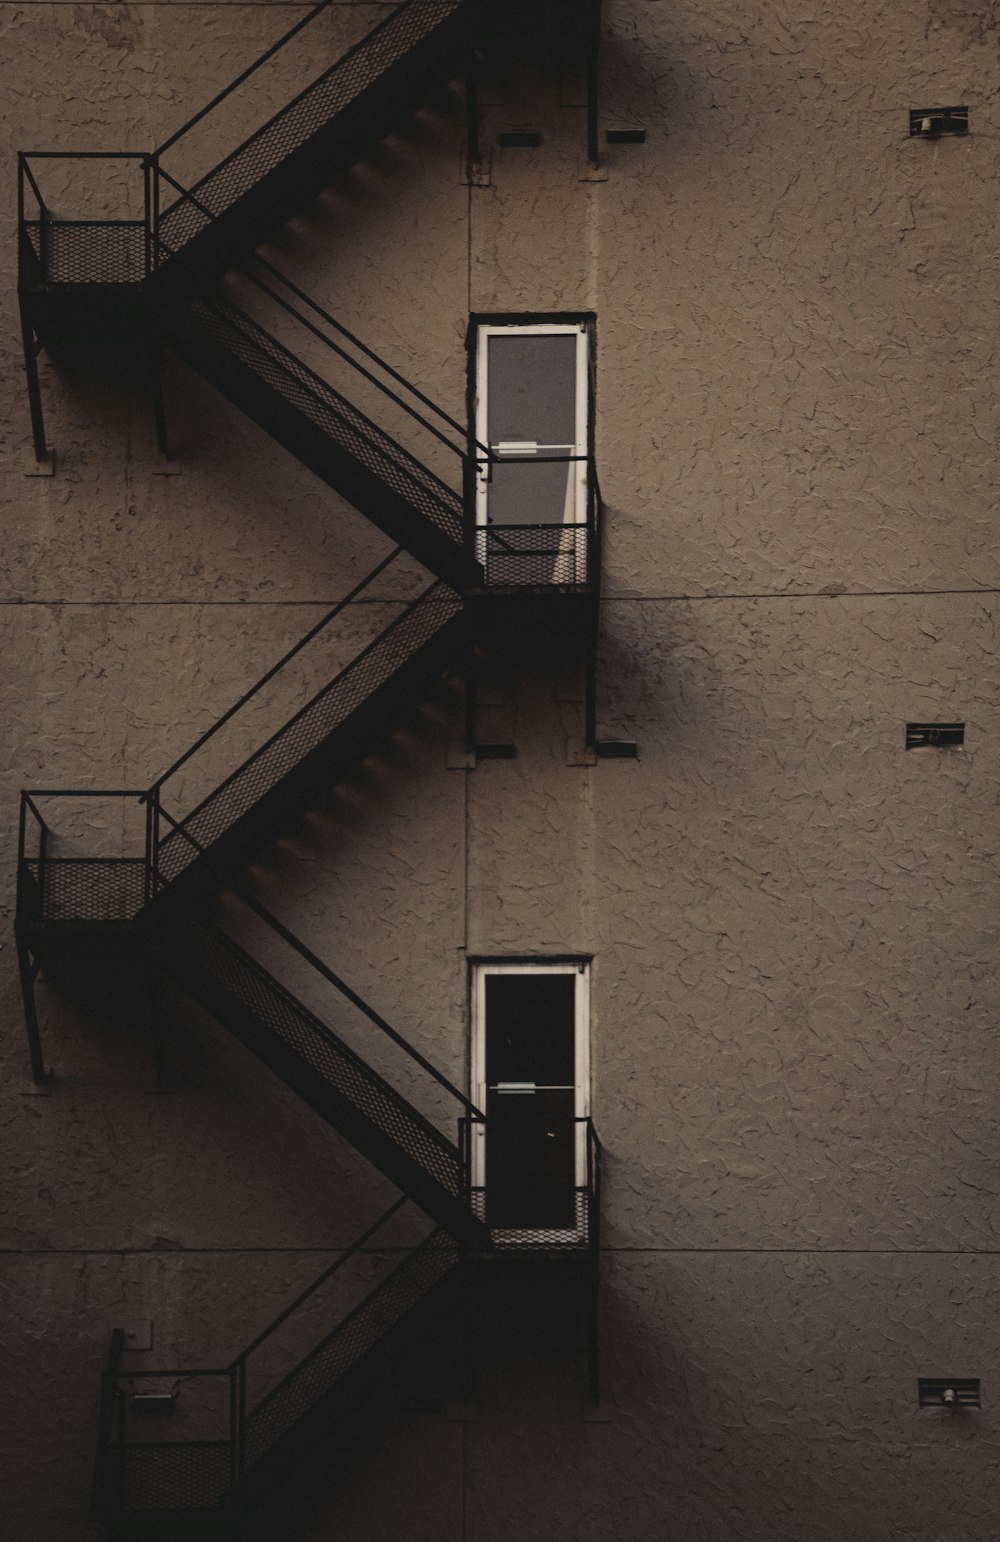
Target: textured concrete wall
(792, 920)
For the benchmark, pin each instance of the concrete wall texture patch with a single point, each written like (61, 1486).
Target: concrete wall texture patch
(792, 920)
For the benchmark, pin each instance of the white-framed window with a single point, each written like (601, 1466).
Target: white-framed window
(530, 1067)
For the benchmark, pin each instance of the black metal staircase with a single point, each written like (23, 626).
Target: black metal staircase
(323, 429)
(325, 1072)
(164, 266)
(329, 125)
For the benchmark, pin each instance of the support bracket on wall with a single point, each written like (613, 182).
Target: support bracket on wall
(28, 966)
(32, 347)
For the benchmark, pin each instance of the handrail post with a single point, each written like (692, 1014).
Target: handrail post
(147, 208)
(593, 54)
(594, 1281)
(30, 343)
(154, 212)
(237, 1415)
(154, 841)
(148, 887)
(102, 1495)
(469, 489)
(27, 971)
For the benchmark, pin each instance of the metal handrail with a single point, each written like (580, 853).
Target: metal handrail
(360, 369)
(294, 101)
(338, 1263)
(240, 263)
(250, 70)
(369, 353)
(352, 996)
(278, 732)
(345, 1322)
(323, 389)
(282, 931)
(269, 675)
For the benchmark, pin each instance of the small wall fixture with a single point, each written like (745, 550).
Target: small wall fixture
(153, 1402)
(932, 122)
(626, 136)
(948, 1392)
(520, 139)
(941, 736)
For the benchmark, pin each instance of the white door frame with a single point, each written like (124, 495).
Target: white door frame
(581, 1056)
(575, 509)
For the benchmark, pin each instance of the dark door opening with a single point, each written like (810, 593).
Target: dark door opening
(531, 1096)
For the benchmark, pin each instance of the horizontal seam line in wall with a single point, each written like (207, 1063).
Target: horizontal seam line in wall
(803, 594)
(201, 604)
(225, 5)
(339, 1248)
(607, 599)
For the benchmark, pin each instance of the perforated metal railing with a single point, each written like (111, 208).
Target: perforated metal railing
(345, 1348)
(579, 1205)
(336, 89)
(123, 251)
(536, 556)
(89, 251)
(173, 1475)
(225, 335)
(224, 977)
(313, 725)
(84, 889)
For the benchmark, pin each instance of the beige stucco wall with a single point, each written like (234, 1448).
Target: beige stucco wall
(793, 922)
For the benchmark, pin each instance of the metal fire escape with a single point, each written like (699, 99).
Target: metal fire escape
(181, 274)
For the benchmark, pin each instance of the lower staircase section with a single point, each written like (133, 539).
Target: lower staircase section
(239, 1428)
(312, 1060)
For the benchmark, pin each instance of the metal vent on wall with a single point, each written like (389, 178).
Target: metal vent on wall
(942, 736)
(932, 122)
(949, 1392)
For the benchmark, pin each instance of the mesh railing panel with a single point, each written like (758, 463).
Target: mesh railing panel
(520, 556)
(228, 331)
(347, 1345)
(309, 728)
(189, 1475)
(294, 1027)
(88, 888)
(90, 252)
(538, 1238)
(289, 130)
